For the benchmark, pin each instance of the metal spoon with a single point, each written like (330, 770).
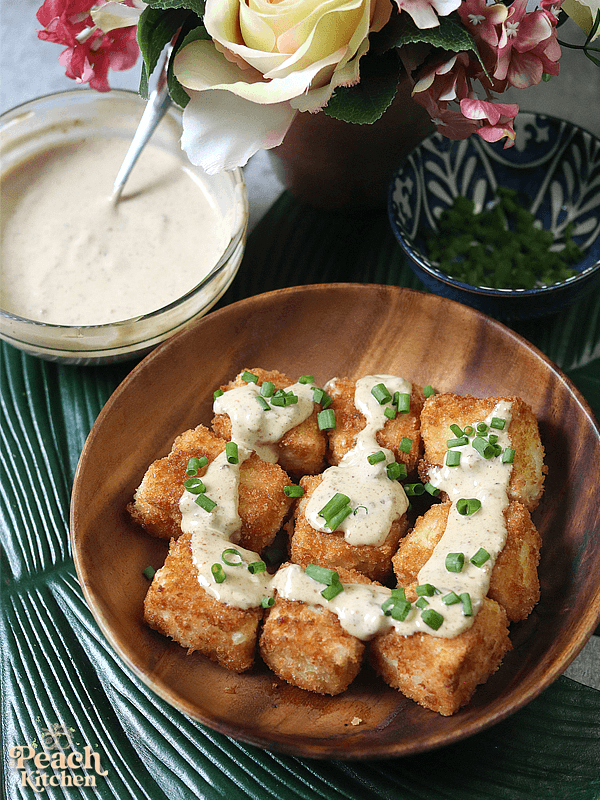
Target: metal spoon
(156, 107)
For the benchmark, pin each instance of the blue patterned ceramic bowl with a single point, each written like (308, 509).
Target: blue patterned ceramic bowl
(555, 163)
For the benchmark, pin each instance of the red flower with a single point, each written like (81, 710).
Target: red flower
(90, 52)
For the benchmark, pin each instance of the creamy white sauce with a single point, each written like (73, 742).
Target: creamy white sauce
(359, 606)
(255, 428)
(70, 256)
(376, 501)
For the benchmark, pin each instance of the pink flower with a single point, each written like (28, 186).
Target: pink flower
(552, 9)
(451, 124)
(498, 118)
(425, 12)
(90, 52)
(483, 21)
(518, 60)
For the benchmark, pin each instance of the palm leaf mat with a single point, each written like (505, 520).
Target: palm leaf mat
(58, 670)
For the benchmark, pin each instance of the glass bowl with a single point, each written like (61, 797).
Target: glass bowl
(554, 164)
(60, 118)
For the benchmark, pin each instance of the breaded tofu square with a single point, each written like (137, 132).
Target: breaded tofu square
(306, 646)
(439, 673)
(262, 504)
(514, 582)
(527, 475)
(350, 421)
(301, 451)
(310, 546)
(177, 606)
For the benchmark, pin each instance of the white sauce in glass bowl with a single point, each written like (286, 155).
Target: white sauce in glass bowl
(69, 256)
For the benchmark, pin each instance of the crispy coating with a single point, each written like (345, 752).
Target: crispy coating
(350, 421)
(309, 546)
(262, 504)
(177, 606)
(440, 411)
(442, 674)
(301, 451)
(514, 582)
(306, 645)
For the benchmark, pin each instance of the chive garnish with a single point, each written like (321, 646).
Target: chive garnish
(456, 430)
(375, 458)
(455, 562)
(381, 394)
(390, 412)
(262, 403)
(480, 557)
(249, 377)
(414, 489)
(428, 391)
(465, 599)
(493, 438)
(267, 389)
(425, 590)
(217, 393)
(405, 444)
(326, 419)
(395, 471)
(322, 574)
(483, 447)
(469, 430)
(431, 489)
(458, 442)
(432, 618)
(355, 512)
(321, 397)
(268, 602)
(293, 491)
(467, 506)
(331, 591)
(334, 522)
(231, 557)
(498, 423)
(335, 505)
(306, 379)
(231, 453)
(194, 485)
(508, 456)
(218, 573)
(195, 464)
(205, 502)
(450, 599)
(422, 602)
(403, 402)
(453, 458)
(149, 573)
(256, 566)
(482, 427)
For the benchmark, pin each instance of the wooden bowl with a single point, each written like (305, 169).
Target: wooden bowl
(328, 330)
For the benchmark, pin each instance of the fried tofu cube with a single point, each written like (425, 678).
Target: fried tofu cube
(350, 421)
(310, 546)
(526, 483)
(262, 504)
(177, 606)
(301, 451)
(440, 673)
(306, 646)
(514, 582)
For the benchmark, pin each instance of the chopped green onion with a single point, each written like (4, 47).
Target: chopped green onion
(405, 444)
(231, 453)
(455, 562)
(335, 505)
(390, 412)
(282, 399)
(493, 438)
(483, 447)
(326, 419)
(306, 379)
(195, 464)
(256, 566)
(381, 394)
(403, 402)
(508, 456)
(497, 449)
(231, 557)
(453, 458)
(480, 557)
(332, 590)
(205, 502)
(194, 485)
(414, 489)
(428, 391)
(375, 458)
(262, 403)
(267, 602)
(400, 610)
(267, 389)
(218, 573)
(398, 593)
(321, 397)
(425, 590)
(456, 430)
(467, 506)
(450, 599)
(469, 430)
(249, 377)
(482, 427)
(432, 618)
(293, 491)
(465, 599)
(422, 602)
(217, 393)
(498, 423)
(322, 574)
(357, 507)
(396, 471)
(149, 573)
(334, 522)
(431, 489)
(457, 442)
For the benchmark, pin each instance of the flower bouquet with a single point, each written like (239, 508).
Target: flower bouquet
(243, 69)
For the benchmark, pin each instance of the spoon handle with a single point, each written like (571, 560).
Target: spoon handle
(156, 107)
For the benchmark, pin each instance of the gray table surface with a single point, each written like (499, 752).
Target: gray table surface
(29, 68)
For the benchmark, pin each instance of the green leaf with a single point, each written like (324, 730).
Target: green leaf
(197, 6)
(365, 102)
(155, 29)
(448, 35)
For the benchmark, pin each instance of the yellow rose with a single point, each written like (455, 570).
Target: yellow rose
(270, 59)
